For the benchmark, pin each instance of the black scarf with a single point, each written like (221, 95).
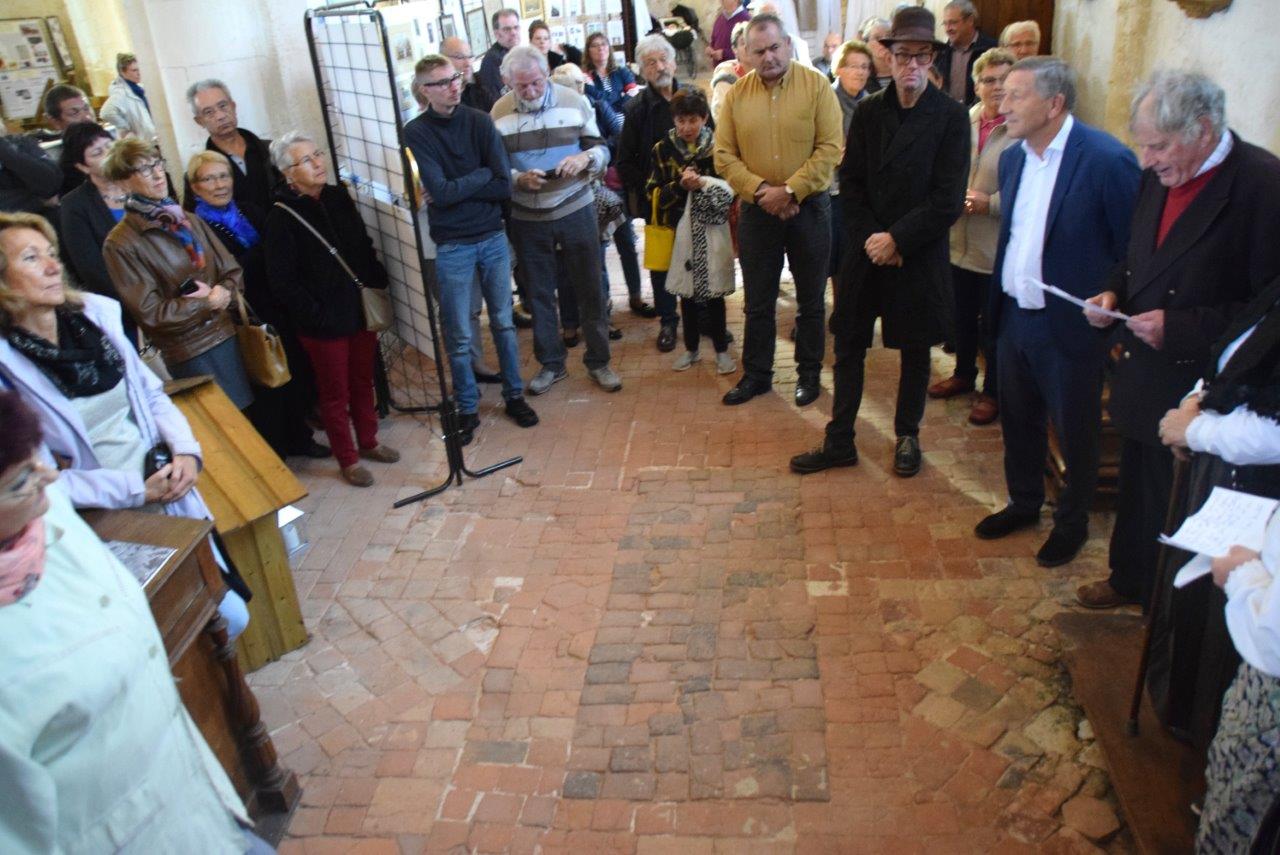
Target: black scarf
(83, 363)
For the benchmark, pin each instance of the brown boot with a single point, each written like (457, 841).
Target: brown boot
(357, 476)
(380, 453)
(984, 411)
(951, 387)
(1100, 595)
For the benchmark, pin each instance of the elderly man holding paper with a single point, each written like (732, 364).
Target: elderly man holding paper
(1204, 243)
(1068, 192)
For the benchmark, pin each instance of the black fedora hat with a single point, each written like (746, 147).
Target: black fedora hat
(912, 24)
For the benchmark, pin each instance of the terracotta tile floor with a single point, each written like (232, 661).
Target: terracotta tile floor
(651, 637)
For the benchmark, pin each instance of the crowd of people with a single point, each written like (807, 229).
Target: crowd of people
(941, 186)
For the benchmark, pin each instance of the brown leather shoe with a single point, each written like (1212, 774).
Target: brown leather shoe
(357, 476)
(984, 411)
(380, 453)
(1100, 595)
(951, 387)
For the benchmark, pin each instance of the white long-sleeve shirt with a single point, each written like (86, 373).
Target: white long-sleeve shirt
(1253, 605)
(1240, 437)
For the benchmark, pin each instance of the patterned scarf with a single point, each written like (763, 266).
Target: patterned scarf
(168, 215)
(83, 363)
(701, 148)
(231, 219)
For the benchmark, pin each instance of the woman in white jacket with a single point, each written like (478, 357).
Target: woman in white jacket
(126, 106)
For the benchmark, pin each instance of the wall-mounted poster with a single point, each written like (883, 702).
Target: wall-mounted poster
(448, 29)
(20, 91)
(531, 9)
(60, 46)
(477, 32)
(22, 45)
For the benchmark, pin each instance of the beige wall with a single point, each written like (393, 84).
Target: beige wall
(1113, 44)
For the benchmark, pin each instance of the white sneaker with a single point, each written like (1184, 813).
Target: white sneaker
(725, 363)
(685, 360)
(606, 378)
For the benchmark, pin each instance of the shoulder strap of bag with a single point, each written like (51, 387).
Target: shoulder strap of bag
(332, 249)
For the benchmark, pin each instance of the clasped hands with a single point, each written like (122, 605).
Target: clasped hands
(882, 249)
(171, 481)
(776, 201)
(1148, 327)
(217, 296)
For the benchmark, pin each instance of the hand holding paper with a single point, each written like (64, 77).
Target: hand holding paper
(1090, 308)
(1229, 518)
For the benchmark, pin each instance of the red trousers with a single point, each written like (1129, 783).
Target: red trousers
(344, 387)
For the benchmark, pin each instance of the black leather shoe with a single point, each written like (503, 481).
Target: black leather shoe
(487, 377)
(615, 334)
(467, 424)
(643, 309)
(746, 389)
(1005, 522)
(667, 338)
(1061, 547)
(521, 413)
(906, 457)
(312, 449)
(823, 458)
(807, 389)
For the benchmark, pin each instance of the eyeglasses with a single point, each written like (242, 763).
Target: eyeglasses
(147, 170)
(459, 57)
(220, 107)
(653, 61)
(448, 81)
(511, 29)
(316, 158)
(31, 479)
(991, 81)
(905, 58)
(214, 178)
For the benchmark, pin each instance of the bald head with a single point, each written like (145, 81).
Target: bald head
(459, 53)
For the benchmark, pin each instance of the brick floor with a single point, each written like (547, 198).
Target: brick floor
(651, 637)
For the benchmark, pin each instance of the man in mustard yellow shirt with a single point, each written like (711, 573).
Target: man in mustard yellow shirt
(777, 142)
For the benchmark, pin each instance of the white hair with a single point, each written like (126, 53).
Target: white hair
(655, 43)
(964, 7)
(1179, 100)
(1007, 34)
(523, 57)
(864, 31)
(202, 85)
(280, 148)
(571, 76)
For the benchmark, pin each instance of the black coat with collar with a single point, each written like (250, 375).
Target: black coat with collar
(907, 178)
(255, 186)
(646, 120)
(942, 63)
(1220, 254)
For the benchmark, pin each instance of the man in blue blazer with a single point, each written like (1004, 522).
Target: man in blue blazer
(1069, 192)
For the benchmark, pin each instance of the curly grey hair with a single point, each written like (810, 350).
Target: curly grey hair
(280, 148)
(1179, 100)
(523, 57)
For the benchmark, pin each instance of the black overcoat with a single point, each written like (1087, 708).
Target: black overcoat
(908, 178)
(1220, 254)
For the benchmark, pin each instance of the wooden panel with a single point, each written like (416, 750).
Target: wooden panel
(275, 624)
(242, 479)
(202, 687)
(995, 15)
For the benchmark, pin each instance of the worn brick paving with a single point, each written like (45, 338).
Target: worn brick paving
(650, 637)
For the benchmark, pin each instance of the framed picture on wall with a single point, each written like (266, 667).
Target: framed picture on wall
(60, 47)
(532, 9)
(477, 31)
(448, 29)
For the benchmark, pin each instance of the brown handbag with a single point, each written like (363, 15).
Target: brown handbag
(375, 302)
(261, 350)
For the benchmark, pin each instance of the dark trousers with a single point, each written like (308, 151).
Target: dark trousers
(837, 236)
(663, 300)
(805, 241)
(849, 375)
(344, 380)
(704, 318)
(972, 333)
(1039, 382)
(1146, 480)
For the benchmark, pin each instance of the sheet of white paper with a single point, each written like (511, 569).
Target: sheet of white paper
(1072, 298)
(143, 559)
(1228, 518)
(1193, 570)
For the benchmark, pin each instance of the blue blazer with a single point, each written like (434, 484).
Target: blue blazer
(1086, 235)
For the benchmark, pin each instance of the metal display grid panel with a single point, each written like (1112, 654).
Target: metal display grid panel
(363, 125)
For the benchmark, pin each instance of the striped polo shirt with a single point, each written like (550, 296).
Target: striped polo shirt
(563, 124)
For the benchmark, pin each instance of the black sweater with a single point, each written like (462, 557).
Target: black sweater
(311, 285)
(464, 168)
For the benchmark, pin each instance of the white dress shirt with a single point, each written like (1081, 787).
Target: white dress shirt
(1024, 256)
(1240, 437)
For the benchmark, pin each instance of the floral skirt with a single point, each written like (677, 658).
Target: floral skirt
(1243, 775)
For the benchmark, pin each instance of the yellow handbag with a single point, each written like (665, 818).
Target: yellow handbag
(658, 241)
(261, 350)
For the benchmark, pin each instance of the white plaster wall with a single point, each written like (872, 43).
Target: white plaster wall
(1236, 48)
(97, 26)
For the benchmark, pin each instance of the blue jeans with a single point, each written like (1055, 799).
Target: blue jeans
(624, 238)
(456, 267)
(541, 245)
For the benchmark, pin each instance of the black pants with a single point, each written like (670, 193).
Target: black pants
(805, 241)
(972, 334)
(849, 376)
(1146, 479)
(704, 318)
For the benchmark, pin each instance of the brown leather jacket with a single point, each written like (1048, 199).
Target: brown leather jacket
(147, 265)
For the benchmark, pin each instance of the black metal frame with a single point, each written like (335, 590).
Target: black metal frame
(446, 408)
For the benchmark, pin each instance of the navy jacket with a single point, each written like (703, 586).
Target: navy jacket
(1087, 232)
(464, 168)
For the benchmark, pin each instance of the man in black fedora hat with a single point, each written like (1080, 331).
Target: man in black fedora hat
(902, 184)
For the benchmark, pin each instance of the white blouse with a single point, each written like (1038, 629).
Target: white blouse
(1253, 605)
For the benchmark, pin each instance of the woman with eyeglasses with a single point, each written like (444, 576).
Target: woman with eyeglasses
(314, 235)
(97, 751)
(172, 274)
(606, 80)
(279, 414)
(103, 411)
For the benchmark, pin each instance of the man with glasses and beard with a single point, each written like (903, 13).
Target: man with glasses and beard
(902, 185)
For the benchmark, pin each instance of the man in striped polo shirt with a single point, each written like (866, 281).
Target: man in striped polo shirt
(554, 146)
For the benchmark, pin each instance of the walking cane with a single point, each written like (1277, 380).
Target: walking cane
(1162, 562)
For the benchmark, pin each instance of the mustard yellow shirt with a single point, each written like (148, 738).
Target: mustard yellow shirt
(788, 134)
